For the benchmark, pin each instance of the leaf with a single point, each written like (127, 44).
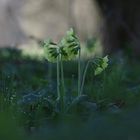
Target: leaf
(77, 100)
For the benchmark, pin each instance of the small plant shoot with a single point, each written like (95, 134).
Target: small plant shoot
(68, 49)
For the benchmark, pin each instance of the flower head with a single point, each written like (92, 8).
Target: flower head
(101, 65)
(70, 45)
(51, 51)
(67, 48)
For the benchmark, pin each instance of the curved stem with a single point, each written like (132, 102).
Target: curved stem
(84, 76)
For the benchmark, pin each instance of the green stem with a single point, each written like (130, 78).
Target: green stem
(58, 79)
(62, 78)
(79, 72)
(50, 72)
(84, 76)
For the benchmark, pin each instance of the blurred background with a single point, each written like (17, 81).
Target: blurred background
(104, 27)
(20, 19)
(114, 23)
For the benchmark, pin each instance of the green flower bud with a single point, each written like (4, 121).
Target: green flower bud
(51, 51)
(105, 62)
(70, 32)
(70, 45)
(67, 48)
(101, 65)
(98, 70)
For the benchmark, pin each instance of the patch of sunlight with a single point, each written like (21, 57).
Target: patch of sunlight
(32, 50)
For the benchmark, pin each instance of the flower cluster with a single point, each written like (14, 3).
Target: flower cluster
(51, 50)
(67, 49)
(101, 65)
(70, 45)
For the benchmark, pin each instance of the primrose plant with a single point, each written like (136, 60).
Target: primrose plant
(67, 49)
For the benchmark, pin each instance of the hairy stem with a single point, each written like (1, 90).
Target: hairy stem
(79, 72)
(58, 79)
(84, 76)
(62, 82)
